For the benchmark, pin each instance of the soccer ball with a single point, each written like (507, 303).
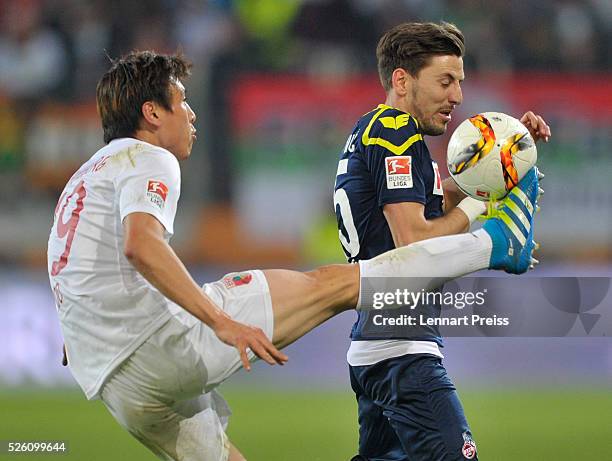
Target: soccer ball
(489, 153)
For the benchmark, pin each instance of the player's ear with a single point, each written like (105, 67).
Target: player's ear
(401, 81)
(150, 113)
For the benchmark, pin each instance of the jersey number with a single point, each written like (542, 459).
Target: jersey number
(351, 245)
(68, 228)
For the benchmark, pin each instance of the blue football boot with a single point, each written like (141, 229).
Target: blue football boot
(511, 226)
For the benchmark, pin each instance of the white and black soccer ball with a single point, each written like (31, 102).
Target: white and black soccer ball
(489, 153)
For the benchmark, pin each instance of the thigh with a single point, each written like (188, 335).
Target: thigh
(191, 429)
(284, 304)
(303, 300)
(377, 438)
(245, 297)
(426, 413)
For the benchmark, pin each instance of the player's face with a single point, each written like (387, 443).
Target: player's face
(177, 133)
(435, 93)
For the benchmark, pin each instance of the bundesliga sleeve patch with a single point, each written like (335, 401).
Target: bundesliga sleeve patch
(157, 192)
(399, 172)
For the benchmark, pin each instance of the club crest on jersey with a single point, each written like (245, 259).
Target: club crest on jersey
(399, 172)
(469, 447)
(157, 192)
(232, 281)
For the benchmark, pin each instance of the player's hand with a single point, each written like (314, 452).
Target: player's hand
(243, 336)
(537, 126)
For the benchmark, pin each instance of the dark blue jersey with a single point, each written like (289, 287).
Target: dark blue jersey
(385, 160)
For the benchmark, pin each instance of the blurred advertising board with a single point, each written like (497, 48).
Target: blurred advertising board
(288, 132)
(59, 138)
(31, 351)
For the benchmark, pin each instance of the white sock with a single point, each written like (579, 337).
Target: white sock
(432, 262)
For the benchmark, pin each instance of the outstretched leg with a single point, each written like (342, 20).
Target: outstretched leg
(302, 301)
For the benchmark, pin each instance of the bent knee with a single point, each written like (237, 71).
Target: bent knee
(198, 438)
(202, 437)
(146, 420)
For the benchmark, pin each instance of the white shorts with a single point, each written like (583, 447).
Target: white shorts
(163, 394)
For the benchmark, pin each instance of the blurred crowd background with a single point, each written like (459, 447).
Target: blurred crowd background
(277, 86)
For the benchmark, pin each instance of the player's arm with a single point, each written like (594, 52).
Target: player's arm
(408, 224)
(147, 250)
(452, 194)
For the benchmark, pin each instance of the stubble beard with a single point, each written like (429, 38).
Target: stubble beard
(430, 129)
(428, 126)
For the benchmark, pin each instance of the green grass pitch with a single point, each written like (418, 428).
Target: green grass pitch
(290, 425)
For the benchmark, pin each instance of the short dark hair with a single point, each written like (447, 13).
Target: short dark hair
(410, 45)
(132, 80)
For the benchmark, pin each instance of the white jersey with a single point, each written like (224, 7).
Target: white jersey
(106, 308)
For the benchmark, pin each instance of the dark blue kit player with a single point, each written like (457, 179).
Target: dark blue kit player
(389, 193)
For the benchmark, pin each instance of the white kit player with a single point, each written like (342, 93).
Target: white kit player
(140, 333)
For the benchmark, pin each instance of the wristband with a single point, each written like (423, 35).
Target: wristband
(472, 208)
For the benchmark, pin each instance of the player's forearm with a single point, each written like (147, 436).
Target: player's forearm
(452, 194)
(159, 264)
(454, 222)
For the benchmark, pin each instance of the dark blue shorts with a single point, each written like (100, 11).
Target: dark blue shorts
(409, 411)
